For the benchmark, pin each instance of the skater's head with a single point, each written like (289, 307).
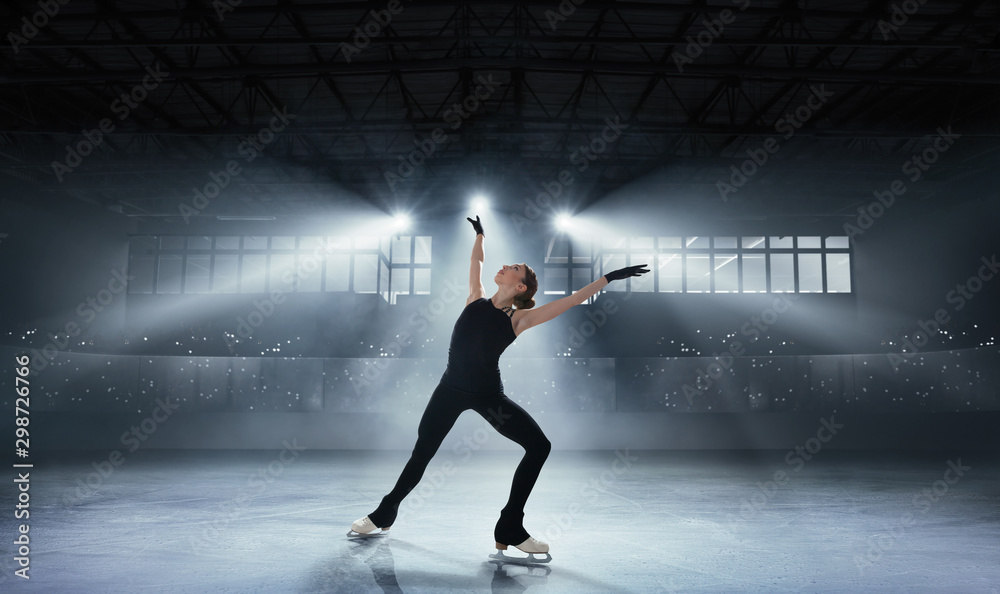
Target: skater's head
(521, 279)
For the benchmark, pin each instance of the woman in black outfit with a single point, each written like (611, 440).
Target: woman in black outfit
(483, 331)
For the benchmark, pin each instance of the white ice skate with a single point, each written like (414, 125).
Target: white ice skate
(533, 547)
(365, 528)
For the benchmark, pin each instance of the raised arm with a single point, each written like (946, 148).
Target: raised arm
(476, 288)
(540, 315)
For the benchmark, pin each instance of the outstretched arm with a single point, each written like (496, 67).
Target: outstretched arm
(534, 317)
(476, 288)
(540, 315)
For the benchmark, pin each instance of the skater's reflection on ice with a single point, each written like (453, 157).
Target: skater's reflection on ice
(377, 555)
(517, 577)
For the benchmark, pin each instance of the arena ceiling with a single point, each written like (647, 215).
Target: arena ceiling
(421, 103)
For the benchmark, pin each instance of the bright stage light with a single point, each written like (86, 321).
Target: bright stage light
(564, 222)
(480, 203)
(400, 222)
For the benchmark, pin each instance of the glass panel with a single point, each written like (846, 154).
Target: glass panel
(422, 250)
(782, 242)
(142, 244)
(810, 273)
(725, 243)
(642, 243)
(196, 274)
(255, 242)
(168, 278)
(227, 243)
(782, 273)
(554, 282)
(670, 242)
(141, 267)
(283, 243)
(339, 243)
(172, 242)
(754, 273)
(199, 242)
(581, 278)
(401, 250)
(644, 283)
(226, 267)
(809, 242)
(282, 268)
(338, 272)
(309, 243)
(400, 283)
(581, 251)
(422, 281)
(366, 243)
(254, 273)
(837, 242)
(698, 273)
(752, 243)
(557, 251)
(670, 273)
(383, 283)
(696, 242)
(365, 273)
(309, 272)
(838, 273)
(726, 273)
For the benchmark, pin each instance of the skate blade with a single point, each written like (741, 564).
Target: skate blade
(372, 534)
(531, 559)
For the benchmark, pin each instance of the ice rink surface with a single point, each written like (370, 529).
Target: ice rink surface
(616, 521)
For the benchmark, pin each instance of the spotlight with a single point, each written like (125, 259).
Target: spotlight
(480, 203)
(400, 222)
(563, 222)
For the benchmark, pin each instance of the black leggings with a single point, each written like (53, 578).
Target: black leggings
(509, 419)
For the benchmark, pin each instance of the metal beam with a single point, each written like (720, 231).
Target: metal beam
(539, 126)
(192, 11)
(428, 66)
(427, 42)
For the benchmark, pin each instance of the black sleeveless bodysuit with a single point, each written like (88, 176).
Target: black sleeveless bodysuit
(472, 381)
(481, 335)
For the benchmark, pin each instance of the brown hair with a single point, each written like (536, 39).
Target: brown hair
(523, 300)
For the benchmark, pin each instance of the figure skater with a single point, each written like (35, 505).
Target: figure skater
(472, 380)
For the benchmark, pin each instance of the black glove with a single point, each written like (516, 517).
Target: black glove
(626, 272)
(476, 225)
